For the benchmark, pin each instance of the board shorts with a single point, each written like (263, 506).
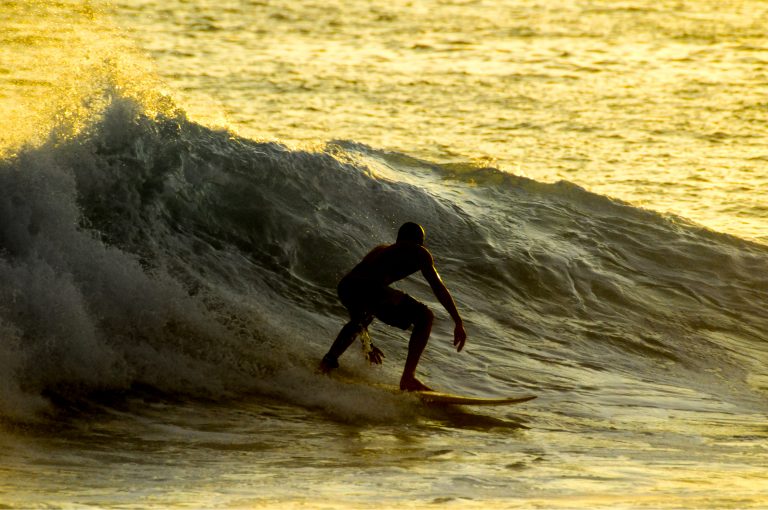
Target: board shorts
(364, 301)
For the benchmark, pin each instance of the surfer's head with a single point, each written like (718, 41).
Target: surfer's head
(411, 233)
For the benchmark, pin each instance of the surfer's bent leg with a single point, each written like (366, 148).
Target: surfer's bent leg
(345, 338)
(422, 327)
(402, 311)
(354, 297)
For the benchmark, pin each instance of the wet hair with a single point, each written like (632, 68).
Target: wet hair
(411, 232)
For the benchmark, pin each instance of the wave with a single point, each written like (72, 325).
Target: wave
(147, 249)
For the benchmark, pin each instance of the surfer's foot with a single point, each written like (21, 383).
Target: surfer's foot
(328, 363)
(413, 384)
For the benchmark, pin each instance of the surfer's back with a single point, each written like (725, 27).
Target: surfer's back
(389, 263)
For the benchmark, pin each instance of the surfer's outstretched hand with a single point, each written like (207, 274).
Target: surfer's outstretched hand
(459, 337)
(376, 356)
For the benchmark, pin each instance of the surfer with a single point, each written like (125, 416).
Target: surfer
(366, 294)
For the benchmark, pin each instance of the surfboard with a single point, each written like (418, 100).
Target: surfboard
(443, 398)
(438, 397)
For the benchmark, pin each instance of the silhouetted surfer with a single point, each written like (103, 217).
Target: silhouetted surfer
(366, 293)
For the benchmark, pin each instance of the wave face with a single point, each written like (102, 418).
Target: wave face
(148, 250)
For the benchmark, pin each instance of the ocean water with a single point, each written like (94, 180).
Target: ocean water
(182, 184)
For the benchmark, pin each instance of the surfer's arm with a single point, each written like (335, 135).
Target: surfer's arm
(444, 296)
